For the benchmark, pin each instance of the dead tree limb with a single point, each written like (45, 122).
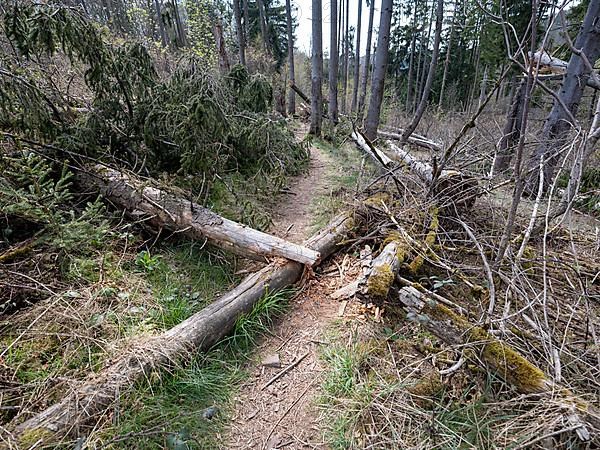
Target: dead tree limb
(195, 221)
(526, 377)
(88, 402)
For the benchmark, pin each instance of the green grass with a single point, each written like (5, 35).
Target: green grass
(184, 278)
(170, 412)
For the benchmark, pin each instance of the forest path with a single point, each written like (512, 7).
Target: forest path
(284, 414)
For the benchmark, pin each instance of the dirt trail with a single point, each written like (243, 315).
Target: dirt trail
(283, 414)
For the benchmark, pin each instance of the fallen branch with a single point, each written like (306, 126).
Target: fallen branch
(516, 370)
(88, 402)
(366, 146)
(192, 220)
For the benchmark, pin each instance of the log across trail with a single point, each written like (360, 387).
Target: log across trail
(87, 403)
(190, 219)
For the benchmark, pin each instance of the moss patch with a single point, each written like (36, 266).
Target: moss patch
(379, 282)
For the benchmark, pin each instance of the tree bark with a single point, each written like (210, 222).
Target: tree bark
(511, 132)
(291, 101)
(221, 47)
(381, 59)
(333, 64)
(411, 63)
(175, 214)
(427, 88)
(357, 60)
(316, 101)
(446, 65)
(365, 75)
(240, 31)
(161, 25)
(246, 21)
(79, 410)
(346, 58)
(264, 31)
(558, 124)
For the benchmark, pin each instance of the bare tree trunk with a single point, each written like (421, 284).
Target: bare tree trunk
(182, 37)
(291, 102)
(333, 64)
(558, 123)
(411, 64)
(424, 51)
(357, 60)
(446, 64)
(511, 132)
(264, 31)
(240, 31)
(161, 25)
(483, 87)
(316, 101)
(246, 21)
(434, 59)
(221, 46)
(381, 59)
(346, 58)
(367, 65)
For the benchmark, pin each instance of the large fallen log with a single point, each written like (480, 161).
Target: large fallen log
(79, 410)
(501, 359)
(176, 214)
(414, 139)
(556, 66)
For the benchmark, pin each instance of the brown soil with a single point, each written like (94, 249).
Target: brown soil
(284, 414)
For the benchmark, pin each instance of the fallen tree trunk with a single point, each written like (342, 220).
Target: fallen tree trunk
(190, 219)
(87, 403)
(363, 142)
(527, 378)
(414, 139)
(457, 189)
(557, 66)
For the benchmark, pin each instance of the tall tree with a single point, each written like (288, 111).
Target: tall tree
(291, 102)
(367, 65)
(356, 60)
(558, 124)
(240, 31)
(439, 17)
(346, 52)
(381, 59)
(246, 20)
(333, 64)
(316, 100)
(161, 25)
(446, 64)
(411, 63)
(264, 30)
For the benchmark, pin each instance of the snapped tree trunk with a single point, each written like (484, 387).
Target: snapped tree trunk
(558, 124)
(427, 88)
(356, 60)
(381, 59)
(365, 73)
(291, 100)
(240, 31)
(80, 409)
(221, 46)
(176, 214)
(414, 139)
(316, 101)
(333, 64)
